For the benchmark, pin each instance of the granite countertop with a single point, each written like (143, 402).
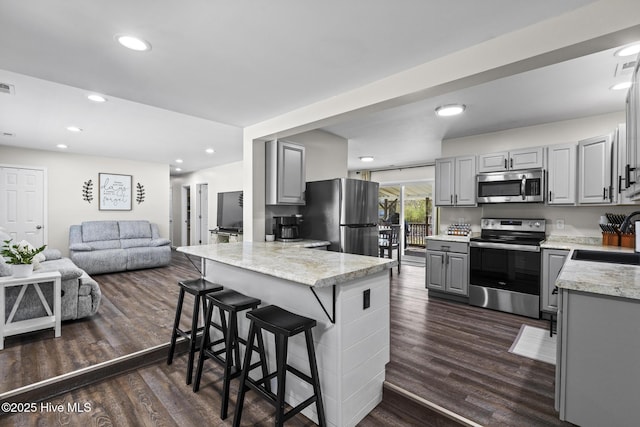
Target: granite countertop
(602, 278)
(450, 238)
(291, 262)
(305, 243)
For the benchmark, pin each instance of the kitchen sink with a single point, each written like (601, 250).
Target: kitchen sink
(606, 256)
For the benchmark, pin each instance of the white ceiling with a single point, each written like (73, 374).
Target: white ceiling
(218, 66)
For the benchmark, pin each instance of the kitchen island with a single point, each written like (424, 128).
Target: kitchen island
(598, 360)
(348, 296)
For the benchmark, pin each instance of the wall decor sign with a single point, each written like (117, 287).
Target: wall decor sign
(115, 192)
(87, 191)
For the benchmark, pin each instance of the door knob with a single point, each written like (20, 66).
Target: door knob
(38, 227)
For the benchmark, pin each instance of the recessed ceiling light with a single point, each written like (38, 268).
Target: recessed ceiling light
(97, 98)
(628, 50)
(450, 110)
(621, 86)
(210, 150)
(133, 43)
(179, 160)
(366, 159)
(178, 169)
(61, 146)
(74, 129)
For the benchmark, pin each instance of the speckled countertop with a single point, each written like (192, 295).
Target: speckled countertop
(292, 262)
(603, 278)
(448, 238)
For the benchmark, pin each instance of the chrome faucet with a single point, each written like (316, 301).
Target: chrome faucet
(626, 224)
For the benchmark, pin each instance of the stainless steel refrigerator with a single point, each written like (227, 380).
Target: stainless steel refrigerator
(344, 212)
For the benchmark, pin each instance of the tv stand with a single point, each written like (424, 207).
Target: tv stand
(224, 236)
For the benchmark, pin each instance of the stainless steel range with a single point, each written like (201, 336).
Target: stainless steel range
(505, 265)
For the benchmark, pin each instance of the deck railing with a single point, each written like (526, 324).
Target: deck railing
(417, 233)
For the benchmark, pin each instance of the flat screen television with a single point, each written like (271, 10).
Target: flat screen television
(230, 211)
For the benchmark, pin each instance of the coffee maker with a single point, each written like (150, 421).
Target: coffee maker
(287, 228)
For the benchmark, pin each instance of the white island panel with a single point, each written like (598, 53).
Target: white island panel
(352, 352)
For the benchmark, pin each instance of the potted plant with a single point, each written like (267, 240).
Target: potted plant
(20, 256)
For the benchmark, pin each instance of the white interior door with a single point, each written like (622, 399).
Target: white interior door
(22, 204)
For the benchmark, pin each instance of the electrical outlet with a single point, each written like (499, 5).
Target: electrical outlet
(560, 224)
(366, 299)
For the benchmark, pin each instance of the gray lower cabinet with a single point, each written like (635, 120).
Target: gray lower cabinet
(598, 369)
(552, 262)
(448, 267)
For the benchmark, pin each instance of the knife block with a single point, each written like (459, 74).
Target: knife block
(628, 240)
(611, 239)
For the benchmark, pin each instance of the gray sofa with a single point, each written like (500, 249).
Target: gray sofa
(80, 293)
(110, 246)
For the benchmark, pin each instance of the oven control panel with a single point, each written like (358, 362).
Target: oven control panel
(539, 225)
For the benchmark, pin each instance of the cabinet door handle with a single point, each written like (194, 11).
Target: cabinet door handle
(446, 258)
(620, 184)
(511, 163)
(550, 195)
(604, 193)
(451, 197)
(505, 163)
(627, 176)
(456, 199)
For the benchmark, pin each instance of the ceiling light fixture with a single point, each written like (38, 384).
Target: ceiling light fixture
(74, 129)
(210, 150)
(450, 110)
(178, 169)
(633, 49)
(62, 146)
(179, 160)
(366, 158)
(133, 43)
(621, 86)
(97, 98)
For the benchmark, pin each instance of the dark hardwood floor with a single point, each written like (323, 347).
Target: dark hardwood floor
(453, 355)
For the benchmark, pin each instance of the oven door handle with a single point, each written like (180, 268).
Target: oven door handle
(505, 246)
(523, 187)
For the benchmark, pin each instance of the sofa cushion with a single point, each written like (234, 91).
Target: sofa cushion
(135, 243)
(159, 242)
(134, 229)
(5, 269)
(105, 244)
(80, 247)
(50, 254)
(93, 231)
(68, 270)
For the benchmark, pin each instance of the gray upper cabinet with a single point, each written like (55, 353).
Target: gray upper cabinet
(528, 158)
(285, 173)
(594, 170)
(456, 181)
(563, 162)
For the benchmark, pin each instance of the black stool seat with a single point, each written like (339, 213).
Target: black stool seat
(229, 299)
(198, 288)
(230, 302)
(279, 321)
(283, 324)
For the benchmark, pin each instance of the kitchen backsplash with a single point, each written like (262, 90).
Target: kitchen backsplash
(561, 221)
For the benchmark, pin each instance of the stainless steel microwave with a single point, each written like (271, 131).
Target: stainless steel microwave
(511, 186)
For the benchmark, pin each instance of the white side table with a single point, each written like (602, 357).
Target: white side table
(52, 320)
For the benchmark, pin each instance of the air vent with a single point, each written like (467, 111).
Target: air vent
(6, 88)
(8, 134)
(624, 68)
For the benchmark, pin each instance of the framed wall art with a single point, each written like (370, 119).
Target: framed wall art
(115, 192)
